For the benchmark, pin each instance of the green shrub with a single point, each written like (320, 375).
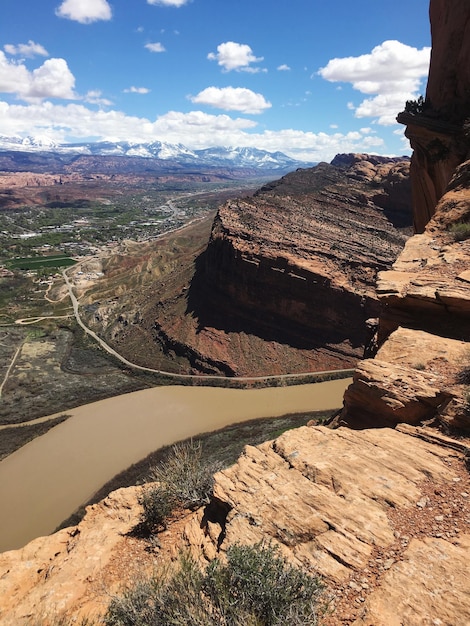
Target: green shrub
(415, 107)
(460, 231)
(157, 505)
(186, 476)
(255, 587)
(184, 480)
(257, 583)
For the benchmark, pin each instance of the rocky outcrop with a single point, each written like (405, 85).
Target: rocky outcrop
(422, 373)
(369, 510)
(71, 570)
(297, 263)
(438, 127)
(416, 377)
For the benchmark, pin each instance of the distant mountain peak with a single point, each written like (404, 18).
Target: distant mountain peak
(217, 156)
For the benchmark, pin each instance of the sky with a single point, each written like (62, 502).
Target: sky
(310, 78)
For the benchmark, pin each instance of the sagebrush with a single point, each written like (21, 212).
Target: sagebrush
(185, 479)
(254, 586)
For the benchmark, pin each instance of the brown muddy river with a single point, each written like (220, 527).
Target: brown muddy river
(43, 482)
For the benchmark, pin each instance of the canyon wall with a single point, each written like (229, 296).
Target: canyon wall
(297, 262)
(285, 284)
(422, 369)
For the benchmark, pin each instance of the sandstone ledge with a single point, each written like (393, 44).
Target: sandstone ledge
(369, 510)
(362, 508)
(415, 377)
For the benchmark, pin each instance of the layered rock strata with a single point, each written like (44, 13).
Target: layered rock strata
(378, 513)
(421, 371)
(285, 284)
(297, 263)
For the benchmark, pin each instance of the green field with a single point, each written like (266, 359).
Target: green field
(33, 263)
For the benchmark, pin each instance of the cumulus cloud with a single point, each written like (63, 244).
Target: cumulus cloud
(235, 56)
(28, 50)
(84, 11)
(196, 129)
(52, 79)
(391, 74)
(232, 99)
(140, 90)
(155, 47)
(283, 68)
(168, 3)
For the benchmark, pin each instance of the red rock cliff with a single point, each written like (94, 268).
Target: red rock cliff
(438, 130)
(422, 369)
(298, 261)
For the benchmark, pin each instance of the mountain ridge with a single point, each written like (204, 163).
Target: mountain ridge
(168, 154)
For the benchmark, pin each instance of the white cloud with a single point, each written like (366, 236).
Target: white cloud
(232, 99)
(391, 73)
(168, 3)
(95, 97)
(140, 90)
(235, 56)
(84, 11)
(52, 79)
(196, 129)
(155, 47)
(283, 68)
(28, 50)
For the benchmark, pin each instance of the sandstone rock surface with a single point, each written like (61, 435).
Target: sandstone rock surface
(430, 564)
(415, 377)
(66, 572)
(369, 510)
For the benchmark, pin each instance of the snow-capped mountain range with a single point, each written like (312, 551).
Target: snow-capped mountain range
(210, 157)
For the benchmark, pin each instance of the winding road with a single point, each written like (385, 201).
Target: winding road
(110, 350)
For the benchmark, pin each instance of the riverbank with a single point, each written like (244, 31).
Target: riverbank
(46, 480)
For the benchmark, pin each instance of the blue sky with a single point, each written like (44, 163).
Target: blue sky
(310, 78)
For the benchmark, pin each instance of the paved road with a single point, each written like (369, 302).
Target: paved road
(110, 350)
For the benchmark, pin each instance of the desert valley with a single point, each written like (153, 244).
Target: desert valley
(300, 331)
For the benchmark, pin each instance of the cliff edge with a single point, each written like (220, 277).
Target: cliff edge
(438, 126)
(382, 513)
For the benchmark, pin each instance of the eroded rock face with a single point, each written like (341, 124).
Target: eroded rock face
(422, 372)
(354, 506)
(438, 133)
(416, 377)
(66, 573)
(297, 263)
